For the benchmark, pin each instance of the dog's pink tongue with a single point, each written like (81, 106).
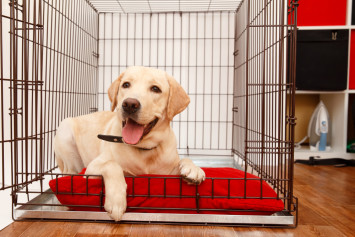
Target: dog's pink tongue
(132, 132)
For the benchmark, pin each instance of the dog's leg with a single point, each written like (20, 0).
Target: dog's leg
(115, 185)
(66, 152)
(190, 172)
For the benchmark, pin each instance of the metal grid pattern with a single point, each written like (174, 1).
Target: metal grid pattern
(58, 59)
(185, 192)
(196, 48)
(156, 6)
(48, 73)
(264, 85)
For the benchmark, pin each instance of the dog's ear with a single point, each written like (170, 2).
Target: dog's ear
(178, 99)
(113, 91)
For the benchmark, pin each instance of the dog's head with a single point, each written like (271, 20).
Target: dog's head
(146, 100)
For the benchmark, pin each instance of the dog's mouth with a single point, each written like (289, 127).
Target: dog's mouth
(133, 132)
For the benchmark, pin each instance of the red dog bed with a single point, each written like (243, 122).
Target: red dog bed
(221, 193)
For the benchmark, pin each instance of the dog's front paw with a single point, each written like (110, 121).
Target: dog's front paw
(115, 205)
(191, 173)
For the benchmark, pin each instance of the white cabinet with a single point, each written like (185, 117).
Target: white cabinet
(337, 102)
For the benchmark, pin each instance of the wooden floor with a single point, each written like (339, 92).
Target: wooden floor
(326, 208)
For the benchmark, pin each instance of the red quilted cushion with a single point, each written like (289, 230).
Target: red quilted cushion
(150, 193)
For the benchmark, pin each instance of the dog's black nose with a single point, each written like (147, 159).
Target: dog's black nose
(130, 106)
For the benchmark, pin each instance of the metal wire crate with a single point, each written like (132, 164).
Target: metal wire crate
(235, 59)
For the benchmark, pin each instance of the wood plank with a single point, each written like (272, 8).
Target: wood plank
(118, 229)
(57, 231)
(316, 230)
(46, 229)
(308, 216)
(255, 232)
(16, 228)
(101, 229)
(156, 230)
(204, 231)
(343, 219)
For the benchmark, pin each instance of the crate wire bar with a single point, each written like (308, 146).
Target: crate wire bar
(149, 194)
(157, 6)
(235, 59)
(263, 103)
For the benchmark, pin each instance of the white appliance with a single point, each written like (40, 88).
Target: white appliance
(319, 130)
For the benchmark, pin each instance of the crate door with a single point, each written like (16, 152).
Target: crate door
(264, 72)
(21, 84)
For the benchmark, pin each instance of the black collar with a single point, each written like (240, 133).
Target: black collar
(118, 139)
(110, 138)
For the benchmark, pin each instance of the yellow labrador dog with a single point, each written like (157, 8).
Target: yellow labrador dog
(144, 101)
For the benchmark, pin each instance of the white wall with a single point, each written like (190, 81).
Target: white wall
(5, 168)
(197, 49)
(68, 63)
(5, 205)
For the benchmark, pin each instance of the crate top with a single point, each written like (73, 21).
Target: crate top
(157, 6)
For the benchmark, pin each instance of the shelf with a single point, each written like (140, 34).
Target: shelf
(339, 27)
(326, 12)
(304, 92)
(305, 149)
(323, 155)
(304, 153)
(327, 16)
(336, 104)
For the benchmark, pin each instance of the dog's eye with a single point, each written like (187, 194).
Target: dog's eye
(155, 89)
(126, 85)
